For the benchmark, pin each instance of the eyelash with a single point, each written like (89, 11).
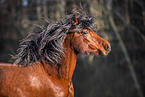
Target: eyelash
(86, 32)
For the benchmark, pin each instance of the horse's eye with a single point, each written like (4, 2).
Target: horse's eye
(85, 32)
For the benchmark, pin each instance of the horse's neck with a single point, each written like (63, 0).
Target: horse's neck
(65, 69)
(68, 65)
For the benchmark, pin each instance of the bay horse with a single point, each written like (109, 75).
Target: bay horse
(46, 59)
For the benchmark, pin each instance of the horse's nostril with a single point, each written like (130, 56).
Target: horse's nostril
(107, 47)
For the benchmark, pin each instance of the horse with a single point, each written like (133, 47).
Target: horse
(45, 61)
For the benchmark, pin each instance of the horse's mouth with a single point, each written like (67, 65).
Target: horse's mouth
(97, 51)
(104, 53)
(100, 52)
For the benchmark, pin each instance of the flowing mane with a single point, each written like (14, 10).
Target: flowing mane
(47, 42)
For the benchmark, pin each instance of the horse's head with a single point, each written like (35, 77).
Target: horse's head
(85, 40)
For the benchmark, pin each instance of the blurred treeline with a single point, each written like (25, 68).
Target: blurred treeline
(121, 22)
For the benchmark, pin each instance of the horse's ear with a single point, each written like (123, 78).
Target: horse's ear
(74, 20)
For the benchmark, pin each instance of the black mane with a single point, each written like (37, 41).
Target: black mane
(47, 43)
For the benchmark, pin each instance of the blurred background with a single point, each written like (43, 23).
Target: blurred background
(121, 22)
